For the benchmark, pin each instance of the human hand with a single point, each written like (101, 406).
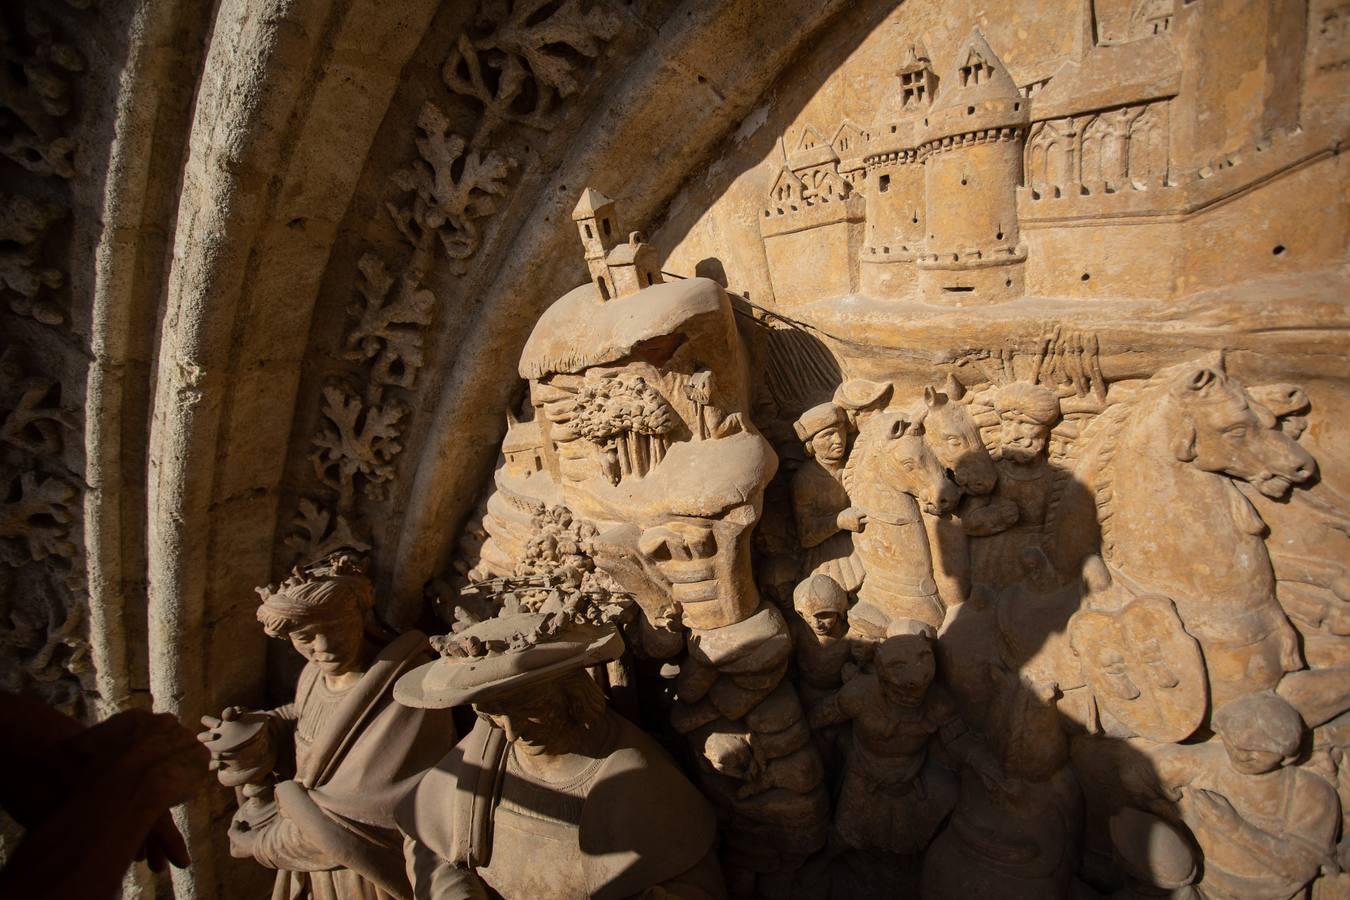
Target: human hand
(163, 758)
(851, 519)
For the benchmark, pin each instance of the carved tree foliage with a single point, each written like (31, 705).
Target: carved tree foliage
(24, 279)
(529, 58)
(520, 60)
(31, 418)
(317, 533)
(42, 582)
(357, 440)
(450, 189)
(37, 516)
(42, 647)
(35, 93)
(388, 331)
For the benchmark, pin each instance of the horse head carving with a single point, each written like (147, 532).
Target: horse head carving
(1219, 428)
(952, 435)
(892, 458)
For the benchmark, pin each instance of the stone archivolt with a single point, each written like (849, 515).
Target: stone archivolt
(513, 56)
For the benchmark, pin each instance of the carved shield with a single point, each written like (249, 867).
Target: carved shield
(1143, 668)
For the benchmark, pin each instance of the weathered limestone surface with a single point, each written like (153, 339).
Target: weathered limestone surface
(948, 404)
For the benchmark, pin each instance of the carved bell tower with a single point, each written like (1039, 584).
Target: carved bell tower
(618, 267)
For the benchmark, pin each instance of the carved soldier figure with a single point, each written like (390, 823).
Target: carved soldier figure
(1012, 521)
(819, 633)
(344, 751)
(1266, 827)
(552, 794)
(825, 518)
(895, 794)
(823, 649)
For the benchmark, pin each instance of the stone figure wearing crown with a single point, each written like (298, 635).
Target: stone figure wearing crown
(318, 779)
(552, 794)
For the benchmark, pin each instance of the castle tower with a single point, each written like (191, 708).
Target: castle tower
(618, 268)
(813, 213)
(598, 225)
(972, 141)
(896, 219)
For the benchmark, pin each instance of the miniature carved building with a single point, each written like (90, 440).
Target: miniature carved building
(618, 268)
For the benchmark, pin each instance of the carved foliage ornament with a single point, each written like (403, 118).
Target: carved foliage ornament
(519, 62)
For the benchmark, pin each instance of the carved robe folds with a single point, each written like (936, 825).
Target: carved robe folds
(629, 822)
(331, 831)
(817, 500)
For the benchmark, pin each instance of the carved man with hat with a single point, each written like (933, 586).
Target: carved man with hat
(552, 794)
(825, 518)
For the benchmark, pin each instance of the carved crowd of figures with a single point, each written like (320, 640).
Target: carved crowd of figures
(1034, 642)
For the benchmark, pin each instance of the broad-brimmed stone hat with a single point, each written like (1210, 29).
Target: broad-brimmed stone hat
(504, 654)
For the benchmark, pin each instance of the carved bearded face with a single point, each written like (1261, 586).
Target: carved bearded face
(333, 643)
(1021, 438)
(828, 445)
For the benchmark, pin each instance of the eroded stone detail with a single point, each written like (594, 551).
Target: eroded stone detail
(42, 598)
(522, 63)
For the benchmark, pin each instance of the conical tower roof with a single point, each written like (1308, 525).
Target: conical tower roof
(976, 95)
(978, 76)
(591, 204)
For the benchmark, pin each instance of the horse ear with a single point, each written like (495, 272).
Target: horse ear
(1200, 380)
(932, 398)
(905, 424)
(953, 388)
(1183, 446)
(1216, 362)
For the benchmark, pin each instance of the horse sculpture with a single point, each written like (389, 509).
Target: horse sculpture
(950, 432)
(889, 474)
(1163, 467)
(952, 435)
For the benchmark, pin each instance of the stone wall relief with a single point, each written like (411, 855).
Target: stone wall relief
(985, 522)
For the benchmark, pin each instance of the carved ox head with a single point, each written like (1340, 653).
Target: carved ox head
(952, 435)
(1222, 429)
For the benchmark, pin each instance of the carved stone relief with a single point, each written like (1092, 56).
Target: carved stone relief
(1009, 595)
(950, 483)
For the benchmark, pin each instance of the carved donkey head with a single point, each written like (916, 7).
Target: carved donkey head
(897, 458)
(1220, 429)
(954, 438)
